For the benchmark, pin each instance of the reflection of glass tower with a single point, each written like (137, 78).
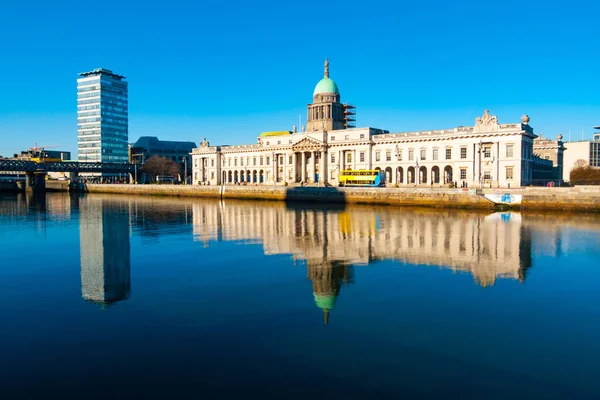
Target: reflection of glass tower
(327, 282)
(104, 251)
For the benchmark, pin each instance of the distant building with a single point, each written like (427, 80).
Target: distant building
(548, 159)
(102, 117)
(586, 150)
(150, 146)
(47, 155)
(487, 154)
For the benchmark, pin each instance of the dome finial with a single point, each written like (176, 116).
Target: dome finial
(326, 68)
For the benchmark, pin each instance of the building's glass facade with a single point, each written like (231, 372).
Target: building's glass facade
(102, 117)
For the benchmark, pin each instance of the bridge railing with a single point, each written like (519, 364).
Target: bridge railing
(75, 167)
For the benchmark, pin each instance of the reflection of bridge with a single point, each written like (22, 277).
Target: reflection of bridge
(73, 167)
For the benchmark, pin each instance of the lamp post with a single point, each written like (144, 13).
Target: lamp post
(185, 170)
(480, 176)
(397, 165)
(417, 172)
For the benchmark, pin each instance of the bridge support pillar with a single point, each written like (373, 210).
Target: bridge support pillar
(39, 181)
(28, 181)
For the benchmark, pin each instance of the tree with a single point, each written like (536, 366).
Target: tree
(583, 174)
(160, 166)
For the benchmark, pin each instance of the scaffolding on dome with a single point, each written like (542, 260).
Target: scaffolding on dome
(349, 116)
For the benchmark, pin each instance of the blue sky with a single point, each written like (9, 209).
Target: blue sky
(230, 70)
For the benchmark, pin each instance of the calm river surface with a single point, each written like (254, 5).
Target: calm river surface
(126, 297)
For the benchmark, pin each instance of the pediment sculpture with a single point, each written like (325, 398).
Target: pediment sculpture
(204, 143)
(307, 144)
(486, 121)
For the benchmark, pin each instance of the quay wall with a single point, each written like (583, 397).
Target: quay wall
(447, 198)
(577, 198)
(580, 198)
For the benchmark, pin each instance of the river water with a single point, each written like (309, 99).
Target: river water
(123, 297)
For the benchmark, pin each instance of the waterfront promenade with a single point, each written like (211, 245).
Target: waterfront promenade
(581, 198)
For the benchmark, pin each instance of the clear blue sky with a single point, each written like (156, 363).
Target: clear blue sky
(229, 70)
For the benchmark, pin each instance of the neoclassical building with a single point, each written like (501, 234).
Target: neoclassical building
(488, 153)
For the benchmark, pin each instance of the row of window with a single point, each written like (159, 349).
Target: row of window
(487, 174)
(486, 151)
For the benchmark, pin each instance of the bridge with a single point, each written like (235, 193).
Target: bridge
(35, 178)
(73, 167)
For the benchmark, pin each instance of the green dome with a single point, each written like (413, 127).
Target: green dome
(325, 302)
(326, 85)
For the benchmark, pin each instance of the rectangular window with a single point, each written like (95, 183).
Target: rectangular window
(349, 157)
(332, 157)
(229, 162)
(268, 143)
(411, 155)
(388, 155)
(399, 155)
(377, 156)
(279, 142)
(212, 175)
(435, 154)
(509, 151)
(242, 161)
(212, 162)
(254, 161)
(261, 161)
(448, 154)
(268, 160)
(546, 157)
(333, 138)
(463, 173)
(487, 152)
(362, 156)
(487, 175)
(235, 162)
(290, 160)
(362, 135)
(463, 153)
(347, 137)
(423, 154)
(509, 172)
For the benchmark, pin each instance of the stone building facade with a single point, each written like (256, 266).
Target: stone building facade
(548, 158)
(486, 154)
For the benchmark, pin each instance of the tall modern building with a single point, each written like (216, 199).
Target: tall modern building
(102, 117)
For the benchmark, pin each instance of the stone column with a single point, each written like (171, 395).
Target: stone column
(323, 169)
(303, 161)
(295, 167)
(274, 161)
(313, 159)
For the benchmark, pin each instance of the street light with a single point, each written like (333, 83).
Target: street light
(397, 165)
(417, 172)
(185, 170)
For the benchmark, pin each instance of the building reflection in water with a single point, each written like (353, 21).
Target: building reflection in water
(488, 246)
(104, 250)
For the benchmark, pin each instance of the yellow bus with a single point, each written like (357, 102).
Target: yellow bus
(362, 177)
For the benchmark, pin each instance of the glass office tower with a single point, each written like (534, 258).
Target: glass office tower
(102, 121)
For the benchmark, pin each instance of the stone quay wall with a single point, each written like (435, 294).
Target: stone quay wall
(581, 198)
(444, 198)
(577, 198)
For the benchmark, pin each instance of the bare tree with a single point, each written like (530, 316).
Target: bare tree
(160, 166)
(580, 163)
